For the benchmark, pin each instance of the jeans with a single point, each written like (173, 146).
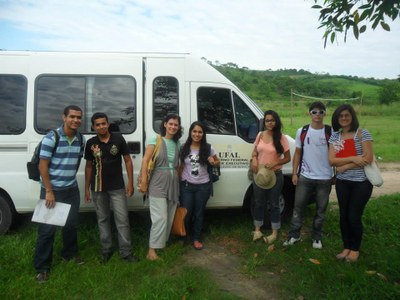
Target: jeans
(46, 233)
(118, 202)
(267, 199)
(305, 189)
(352, 197)
(194, 198)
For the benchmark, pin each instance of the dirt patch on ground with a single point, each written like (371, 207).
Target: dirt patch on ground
(225, 267)
(223, 263)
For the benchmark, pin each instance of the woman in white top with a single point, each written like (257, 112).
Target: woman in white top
(196, 186)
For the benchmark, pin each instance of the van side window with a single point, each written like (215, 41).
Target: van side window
(215, 111)
(165, 99)
(13, 93)
(114, 95)
(246, 121)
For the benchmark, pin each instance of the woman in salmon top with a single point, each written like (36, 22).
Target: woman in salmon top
(271, 149)
(350, 149)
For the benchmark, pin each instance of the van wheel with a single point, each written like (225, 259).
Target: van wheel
(6, 215)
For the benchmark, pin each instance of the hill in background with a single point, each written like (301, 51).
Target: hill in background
(277, 85)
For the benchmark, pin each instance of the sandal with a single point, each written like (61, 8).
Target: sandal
(197, 245)
(269, 239)
(257, 235)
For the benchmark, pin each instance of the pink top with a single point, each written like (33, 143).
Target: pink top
(267, 152)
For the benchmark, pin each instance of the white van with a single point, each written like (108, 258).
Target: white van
(136, 90)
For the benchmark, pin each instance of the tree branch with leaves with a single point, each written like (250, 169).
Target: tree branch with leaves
(340, 16)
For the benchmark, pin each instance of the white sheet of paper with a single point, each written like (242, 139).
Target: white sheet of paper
(55, 216)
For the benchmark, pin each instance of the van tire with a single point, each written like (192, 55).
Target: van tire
(6, 215)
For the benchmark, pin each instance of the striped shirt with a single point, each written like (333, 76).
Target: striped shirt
(63, 165)
(356, 174)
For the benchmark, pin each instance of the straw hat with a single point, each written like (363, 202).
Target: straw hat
(265, 178)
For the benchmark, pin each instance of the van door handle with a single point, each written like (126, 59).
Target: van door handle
(134, 147)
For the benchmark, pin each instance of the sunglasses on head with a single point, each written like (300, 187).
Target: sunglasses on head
(317, 112)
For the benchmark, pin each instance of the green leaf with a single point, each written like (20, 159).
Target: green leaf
(376, 22)
(364, 14)
(385, 26)
(355, 31)
(363, 28)
(316, 6)
(356, 17)
(333, 37)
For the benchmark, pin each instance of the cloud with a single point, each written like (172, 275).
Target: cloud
(257, 34)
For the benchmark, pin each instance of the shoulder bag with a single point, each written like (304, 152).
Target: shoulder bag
(150, 167)
(372, 170)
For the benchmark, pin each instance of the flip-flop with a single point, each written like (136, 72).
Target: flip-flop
(269, 239)
(197, 245)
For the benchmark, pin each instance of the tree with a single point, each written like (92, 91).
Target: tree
(389, 92)
(338, 16)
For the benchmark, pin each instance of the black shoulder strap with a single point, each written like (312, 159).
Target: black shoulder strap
(303, 134)
(328, 133)
(57, 140)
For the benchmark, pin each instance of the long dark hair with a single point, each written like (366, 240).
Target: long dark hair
(276, 131)
(203, 153)
(163, 130)
(336, 114)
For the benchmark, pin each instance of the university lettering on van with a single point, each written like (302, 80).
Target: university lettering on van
(232, 160)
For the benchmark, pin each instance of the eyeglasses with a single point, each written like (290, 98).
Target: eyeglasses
(317, 112)
(269, 121)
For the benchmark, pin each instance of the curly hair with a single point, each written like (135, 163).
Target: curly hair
(163, 130)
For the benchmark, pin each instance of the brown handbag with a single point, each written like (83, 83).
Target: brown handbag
(178, 226)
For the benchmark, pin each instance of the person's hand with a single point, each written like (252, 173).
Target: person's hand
(254, 165)
(295, 179)
(50, 199)
(87, 196)
(360, 161)
(129, 191)
(211, 160)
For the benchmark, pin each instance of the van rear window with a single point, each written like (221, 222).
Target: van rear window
(113, 95)
(13, 92)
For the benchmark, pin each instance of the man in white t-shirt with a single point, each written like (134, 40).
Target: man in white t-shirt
(312, 174)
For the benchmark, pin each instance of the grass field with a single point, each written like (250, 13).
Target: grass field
(375, 276)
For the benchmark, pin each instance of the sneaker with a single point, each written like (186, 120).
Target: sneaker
(42, 277)
(257, 235)
(130, 258)
(291, 241)
(316, 244)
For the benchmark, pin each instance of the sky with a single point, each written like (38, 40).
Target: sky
(257, 34)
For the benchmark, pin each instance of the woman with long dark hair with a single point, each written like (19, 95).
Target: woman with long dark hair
(196, 186)
(271, 151)
(163, 188)
(350, 149)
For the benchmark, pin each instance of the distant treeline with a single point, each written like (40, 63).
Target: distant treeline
(277, 85)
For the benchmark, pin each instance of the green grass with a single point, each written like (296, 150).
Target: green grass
(295, 275)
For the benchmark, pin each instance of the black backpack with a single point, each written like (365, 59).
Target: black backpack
(214, 172)
(33, 165)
